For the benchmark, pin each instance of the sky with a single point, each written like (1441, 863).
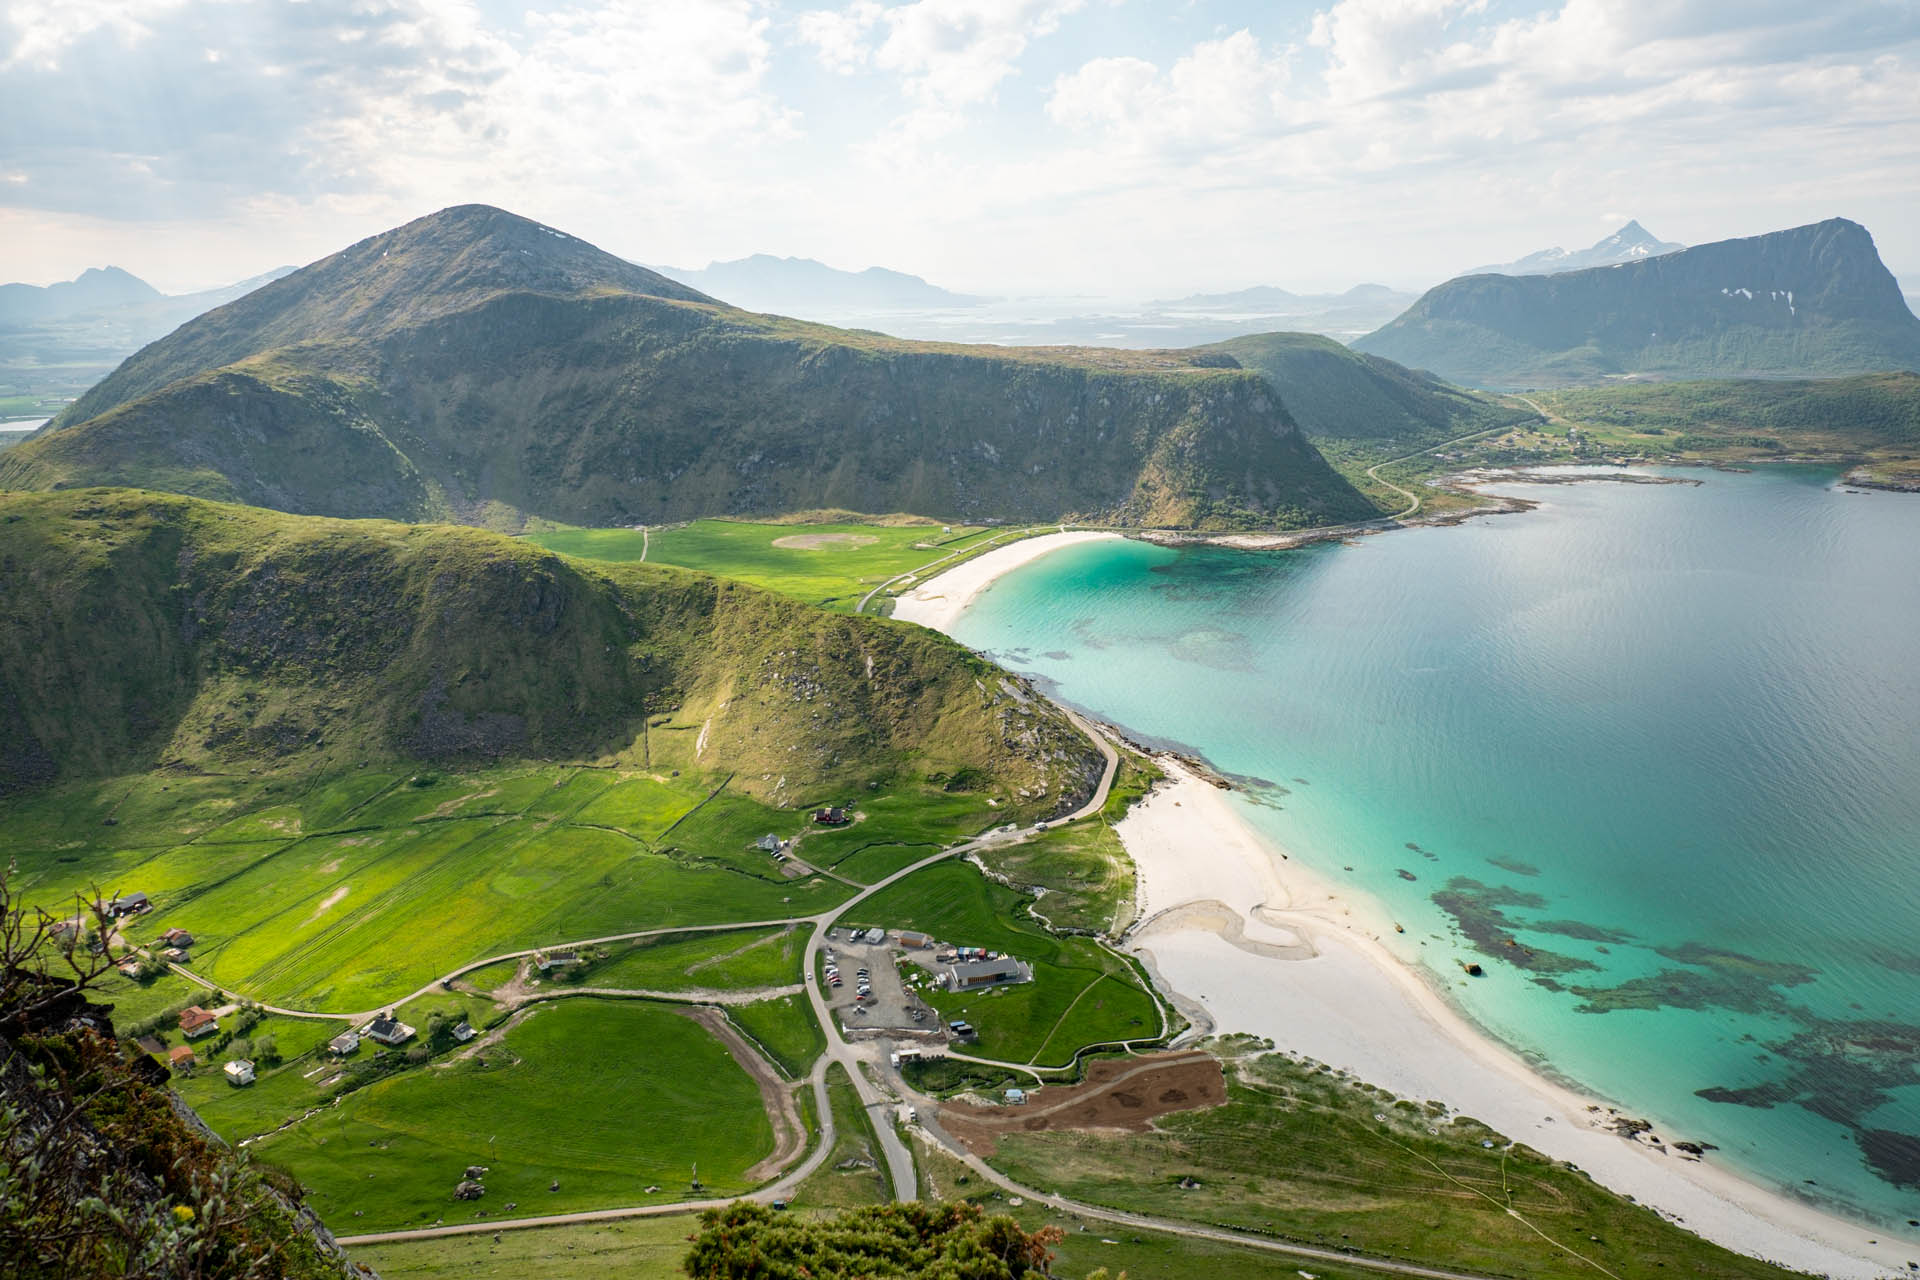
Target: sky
(1110, 148)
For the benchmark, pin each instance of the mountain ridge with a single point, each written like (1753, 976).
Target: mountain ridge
(1631, 243)
(153, 630)
(477, 366)
(1807, 301)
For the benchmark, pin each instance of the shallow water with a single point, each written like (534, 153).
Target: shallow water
(1664, 739)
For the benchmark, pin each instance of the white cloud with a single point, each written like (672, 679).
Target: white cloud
(839, 36)
(42, 30)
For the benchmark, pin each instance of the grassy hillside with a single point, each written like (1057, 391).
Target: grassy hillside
(1361, 409)
(1807, 302)
(148, 630)
(477, 367)
(1338, 394)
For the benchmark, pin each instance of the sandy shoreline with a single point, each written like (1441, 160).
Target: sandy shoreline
(1255, 942)
(940, 599)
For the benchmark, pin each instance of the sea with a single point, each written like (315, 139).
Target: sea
(1648, 754)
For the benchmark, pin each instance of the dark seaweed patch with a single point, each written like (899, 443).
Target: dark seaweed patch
(1895, 1156)
(1480, 911)
(1514, 865)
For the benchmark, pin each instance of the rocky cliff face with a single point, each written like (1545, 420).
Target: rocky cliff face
(481, 368)
(1814, 300)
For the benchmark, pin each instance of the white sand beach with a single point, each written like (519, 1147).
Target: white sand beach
(940, 599)
(1250, 940)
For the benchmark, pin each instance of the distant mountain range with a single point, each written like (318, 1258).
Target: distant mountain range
(1813, 301)
(476, 366)
(1268, 298)
(1631, 243)
(805, 288)
(60, 339)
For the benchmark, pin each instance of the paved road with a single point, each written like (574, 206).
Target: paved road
(1413, 499)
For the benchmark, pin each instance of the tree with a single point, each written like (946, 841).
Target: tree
(748, 1241)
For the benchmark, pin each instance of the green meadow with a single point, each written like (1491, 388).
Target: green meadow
(365, 888)
(1081, 993)
(832, 565)
(604, 1097)
(786, 1031)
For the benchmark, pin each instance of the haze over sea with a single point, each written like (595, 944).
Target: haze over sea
(1664, 738)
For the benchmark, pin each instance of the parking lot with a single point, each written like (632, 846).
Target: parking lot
(892, 1007)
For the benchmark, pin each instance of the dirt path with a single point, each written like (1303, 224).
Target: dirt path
(789, 1133)
(750, 995)
(770, 940)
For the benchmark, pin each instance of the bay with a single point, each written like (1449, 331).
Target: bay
(1650, 754)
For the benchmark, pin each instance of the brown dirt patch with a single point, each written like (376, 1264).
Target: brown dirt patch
(783, 1113)
(824, 541)
(1118, 1093)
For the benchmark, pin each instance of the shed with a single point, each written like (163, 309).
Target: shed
(970, 974)
(915, 941)
(1015, 1097)
(464, 1031)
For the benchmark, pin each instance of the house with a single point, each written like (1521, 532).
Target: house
(344, 1043)
(555, 960)
(176, 938)
(239, 1071)
(1016, 1097)
(196, 1022)
(130, 904)
(970, 975)
(768, 843)
(130, 966)
(152, 1045)
(180, 1057)
(915, 941)
(388, 1029)
(831, 817)
(464, 1032)
(175, 954)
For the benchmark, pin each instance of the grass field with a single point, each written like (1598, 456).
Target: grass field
(731, 960)
(785, 1029)
(631, 1248)
(832, 565)
(1088, 877)
(1081, 993)
(604, 1097)
(1303, 1153)
(356, 891)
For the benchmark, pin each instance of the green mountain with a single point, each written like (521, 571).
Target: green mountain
(1347, 400)
(1810, 302)
(148, 630)
(477, 367)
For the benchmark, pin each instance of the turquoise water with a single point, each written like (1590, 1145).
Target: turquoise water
(1664, 739)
